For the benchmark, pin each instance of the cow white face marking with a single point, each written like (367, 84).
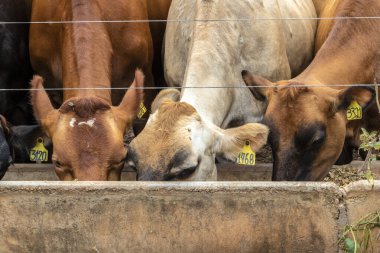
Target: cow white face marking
(72, 122)
(89, 122)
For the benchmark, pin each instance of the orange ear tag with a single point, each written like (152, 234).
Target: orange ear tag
(142, 111)
(246, 155)
(354, 111)
(39, 153)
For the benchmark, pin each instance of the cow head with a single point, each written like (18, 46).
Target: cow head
(5, 151)
(87, 132)
(177, 144)
(307, 125)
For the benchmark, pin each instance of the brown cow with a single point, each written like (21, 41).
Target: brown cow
(309, 125)
(326, 10)
(87, 131)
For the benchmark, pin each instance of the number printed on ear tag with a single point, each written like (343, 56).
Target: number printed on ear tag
(142, 111)
(39, 153)
(354, 111)
(246, 156)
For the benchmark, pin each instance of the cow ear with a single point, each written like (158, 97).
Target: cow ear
(231, 141)
(258, 85)
(42, 107)
(365, 96)
(130, 105)
(171, 95)
(6, 126)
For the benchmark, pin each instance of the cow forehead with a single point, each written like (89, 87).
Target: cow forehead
(170, 118)
(94, 135)
(297, 107)
(159, 141)
(170, 113)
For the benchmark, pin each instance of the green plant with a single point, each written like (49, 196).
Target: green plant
(359, 237)
(370, 142)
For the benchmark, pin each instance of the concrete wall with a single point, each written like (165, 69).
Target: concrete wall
(178, 217)
(168, 217)
(362, 198)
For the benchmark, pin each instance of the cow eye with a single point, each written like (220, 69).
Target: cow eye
(310, 137)
(181, 173)
(57, 163)
(186, 172)
(317, 141)
(318, 138)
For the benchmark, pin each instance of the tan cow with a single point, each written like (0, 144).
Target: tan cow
(325, 11)
(86, 130)
(186, 130)
(309, 125)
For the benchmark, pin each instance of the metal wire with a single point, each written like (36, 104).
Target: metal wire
(197, 87)
(238, 86)
(181, 20)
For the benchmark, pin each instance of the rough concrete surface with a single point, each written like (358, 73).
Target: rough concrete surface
(363, 198)
(168, 217)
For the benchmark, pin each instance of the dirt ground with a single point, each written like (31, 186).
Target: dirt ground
(343, 175)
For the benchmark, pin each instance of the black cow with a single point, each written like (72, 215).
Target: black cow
(15, 68)
(16, 142)
(5, 153)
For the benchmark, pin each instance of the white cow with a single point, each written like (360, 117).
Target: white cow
(185, 130)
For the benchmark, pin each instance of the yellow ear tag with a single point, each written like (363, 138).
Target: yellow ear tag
(246, 156)
(39, 153)
(142, 111)
(354, 111)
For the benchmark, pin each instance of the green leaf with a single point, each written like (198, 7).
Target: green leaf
(349, 245)
(369, 176)
(364, 146)
(365, 132)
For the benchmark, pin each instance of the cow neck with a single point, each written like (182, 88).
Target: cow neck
(203, 89)
(349, 56)
(339, 68)
(86, 54)
(325, 9)
(210, 103)
(207, 69)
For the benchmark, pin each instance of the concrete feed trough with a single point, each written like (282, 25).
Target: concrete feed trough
(168, 217)
(179, 216)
